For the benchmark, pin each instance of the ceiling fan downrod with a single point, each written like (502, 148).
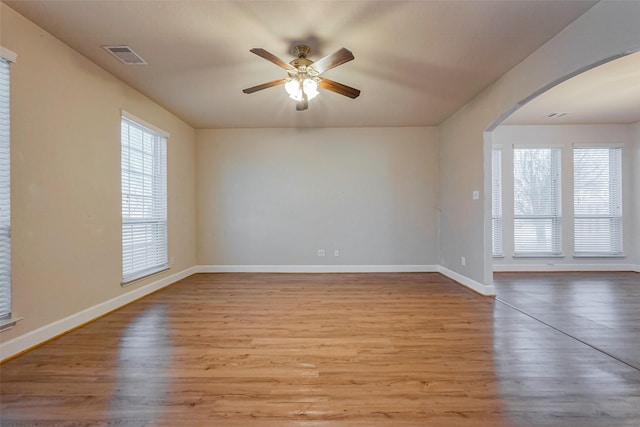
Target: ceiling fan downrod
(301, 51)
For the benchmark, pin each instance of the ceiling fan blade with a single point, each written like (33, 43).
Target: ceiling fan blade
(336, 87)
(264, 86)
(272, 58)
(333, 60)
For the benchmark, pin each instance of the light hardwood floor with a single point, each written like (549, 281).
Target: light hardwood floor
(318, 350)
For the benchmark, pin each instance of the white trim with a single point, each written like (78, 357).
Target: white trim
(563, 267)
(7, 323)
(31, 339)
(590, 255)
(636, 268)
(7, 54)
(408, 268)
(130, 279)
(541, 145)
(144, 123)
(463, 280)
(482, 289)
(597, 145)
(537, 255)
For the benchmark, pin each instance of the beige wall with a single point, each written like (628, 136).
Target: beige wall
(276, 196)
(564, 136)
(66, 221)
(608, 29)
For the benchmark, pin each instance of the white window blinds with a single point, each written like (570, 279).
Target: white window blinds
(597, 199)
(537, 201)
(5, 194)
(496, 201)
(144, 201)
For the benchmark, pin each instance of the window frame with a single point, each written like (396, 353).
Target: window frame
(145, 223)
(555, 167)
(615, 201)
(7, 317)
(497, 215)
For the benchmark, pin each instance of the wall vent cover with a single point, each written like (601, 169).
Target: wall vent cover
(125, 54)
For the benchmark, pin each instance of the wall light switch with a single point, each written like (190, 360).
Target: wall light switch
(476, 194)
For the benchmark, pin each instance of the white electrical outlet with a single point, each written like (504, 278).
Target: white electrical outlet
(320, 252)
(336, 252)
(476, 195)
(463, 261)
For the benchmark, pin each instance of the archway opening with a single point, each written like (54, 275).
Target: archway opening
(563, 169)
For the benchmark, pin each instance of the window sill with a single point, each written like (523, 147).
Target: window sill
(8, 323)
(524, 255)
(594, 255)
(130, 279)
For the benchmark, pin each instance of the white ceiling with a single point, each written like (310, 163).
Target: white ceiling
(609, 93)
(416, 62)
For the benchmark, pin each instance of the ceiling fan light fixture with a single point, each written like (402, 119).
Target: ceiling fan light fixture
(297, 87)
(310, 87)
(293, 88)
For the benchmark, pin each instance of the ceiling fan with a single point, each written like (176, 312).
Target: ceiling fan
(304, 75)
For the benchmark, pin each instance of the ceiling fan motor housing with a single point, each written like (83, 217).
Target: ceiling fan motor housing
(301, 63)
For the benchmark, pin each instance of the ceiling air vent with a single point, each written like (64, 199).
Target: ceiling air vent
(125, 54)
(556, 115)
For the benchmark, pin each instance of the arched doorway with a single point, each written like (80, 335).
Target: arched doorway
(590, 122)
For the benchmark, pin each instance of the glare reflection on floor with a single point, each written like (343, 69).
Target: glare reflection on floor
(145, 351)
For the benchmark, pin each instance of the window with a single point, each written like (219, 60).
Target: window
(496, 201)
(597, 201)
(537, 202)
(144, 199)
(6, 57)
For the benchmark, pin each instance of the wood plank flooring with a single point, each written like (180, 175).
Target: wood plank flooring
(600, 308)
(317, 350)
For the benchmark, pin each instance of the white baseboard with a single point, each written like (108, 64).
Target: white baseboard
(487, 290)
(463, 280)
(503, 268)
(31, 339)
(317, 268)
